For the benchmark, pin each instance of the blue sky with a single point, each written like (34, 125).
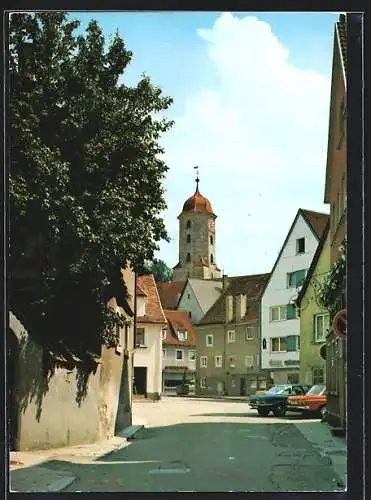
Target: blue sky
(251, 98)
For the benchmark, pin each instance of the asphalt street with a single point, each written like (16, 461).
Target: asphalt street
(211, 445)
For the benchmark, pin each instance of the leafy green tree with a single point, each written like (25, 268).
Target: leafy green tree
(159, 269)
(86, 176)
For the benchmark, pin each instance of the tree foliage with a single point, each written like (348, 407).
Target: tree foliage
(159, 269)
(85, 180)
(333, 287)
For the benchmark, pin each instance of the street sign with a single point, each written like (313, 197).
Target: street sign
(339, 324)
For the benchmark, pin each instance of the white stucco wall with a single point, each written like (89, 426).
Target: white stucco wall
(151, 356)
(170, 358)
(277, 293)
(190, 304)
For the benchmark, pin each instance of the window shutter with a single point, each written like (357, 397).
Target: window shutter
(291, 312)
(314, 328)
(300, 276)
(291, 343)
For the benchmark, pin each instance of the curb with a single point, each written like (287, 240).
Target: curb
(129, 432)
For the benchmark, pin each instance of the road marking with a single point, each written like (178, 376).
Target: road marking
(169, 471)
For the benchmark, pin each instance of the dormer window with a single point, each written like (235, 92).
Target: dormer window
(182, 335)
(189, 224)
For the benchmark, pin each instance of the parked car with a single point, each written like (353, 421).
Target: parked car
(314, 401)
(275, 399)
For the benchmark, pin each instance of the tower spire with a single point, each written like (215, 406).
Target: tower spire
(197, 178)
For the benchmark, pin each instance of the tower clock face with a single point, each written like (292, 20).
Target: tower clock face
(211, 225)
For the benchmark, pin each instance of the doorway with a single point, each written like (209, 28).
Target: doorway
(140, 380)
(242, 386)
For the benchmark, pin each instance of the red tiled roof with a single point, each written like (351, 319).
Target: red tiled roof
(203, 262)
(140, 290)
(316, 220)
(154, 311)
(198, 203)
(179, 320)
(170, 293)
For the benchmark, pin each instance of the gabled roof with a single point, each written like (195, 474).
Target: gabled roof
(315, 221)
(154, 311)
(339, 56)
(341, 27)
(170, 293)
(206, 291)
(250, 285)
(139, 290)
(179, 321)
(313, 264)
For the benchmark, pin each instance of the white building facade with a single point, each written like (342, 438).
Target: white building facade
(280, 324)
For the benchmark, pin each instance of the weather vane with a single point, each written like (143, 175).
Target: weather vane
(197, 175)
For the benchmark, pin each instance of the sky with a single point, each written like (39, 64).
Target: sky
(251, 105)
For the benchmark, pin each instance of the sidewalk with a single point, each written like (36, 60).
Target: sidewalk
(29, 469)
(335, 448)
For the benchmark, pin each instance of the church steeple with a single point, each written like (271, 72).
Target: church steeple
(196, 238)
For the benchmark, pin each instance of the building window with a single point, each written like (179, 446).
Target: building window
(249, 361)
(231, 336)
(278, 313)
(264, 343)
(189, 224)
(318, 376)
(190, 314)
(182, 336)
(179, 354)
(250, 332)
(218, 361)
(188, 257)
(293, 343)
(140, 337)
(188, 238)
(233, 382)
(164, 353)
(164, 334)
(279, 344)
(203, 382)
(211, 258)
(188, 295)
(293, 378)
(300, 245)
(295, 278)
(209, 340)
(192, 355)
(211, 240)
(321, 327)
(232, 361)
(203, 361)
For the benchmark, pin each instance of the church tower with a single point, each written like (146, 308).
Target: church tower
(196, 240)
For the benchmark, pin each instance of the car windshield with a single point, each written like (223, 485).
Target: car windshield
(316, 389)
(279, 389)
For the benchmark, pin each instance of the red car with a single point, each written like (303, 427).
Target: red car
(314, 401)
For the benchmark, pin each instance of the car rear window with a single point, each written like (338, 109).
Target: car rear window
(316, 389)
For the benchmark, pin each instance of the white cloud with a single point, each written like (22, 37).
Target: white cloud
(260, 139)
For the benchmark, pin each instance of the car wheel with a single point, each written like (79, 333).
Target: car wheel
(263, 412)
(279, 411)
(323, 413)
